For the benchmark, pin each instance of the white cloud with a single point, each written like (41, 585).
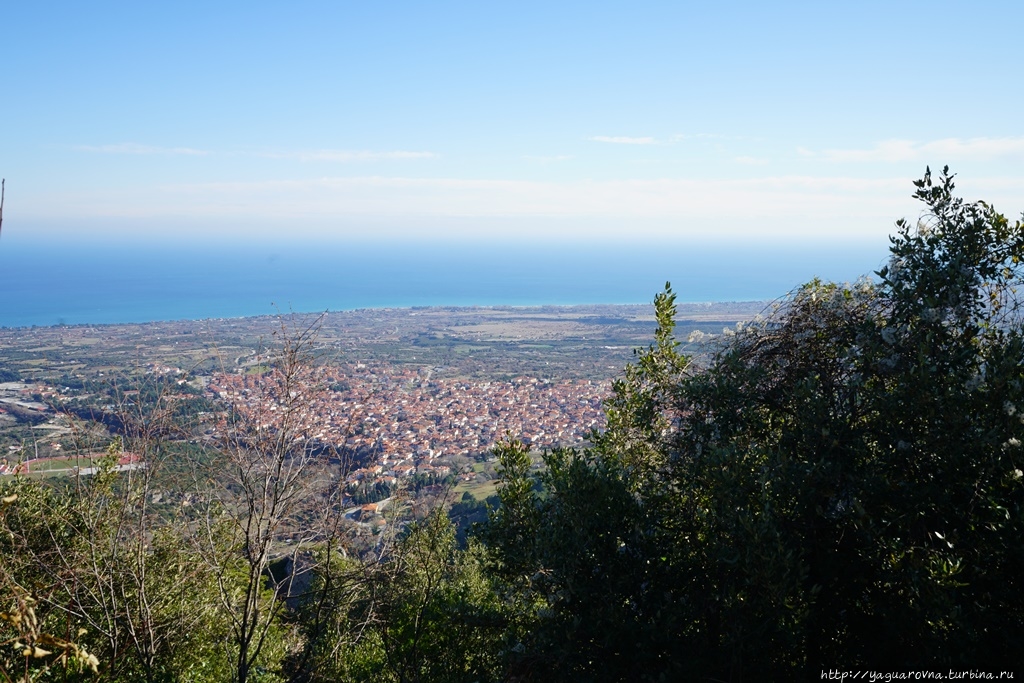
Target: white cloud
(623, 140)
(133, 148)
(548, 159)
(937, 151)
(336, 155)
(976, 148)
(679, 137)
(342, 155)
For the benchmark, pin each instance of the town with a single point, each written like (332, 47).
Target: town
(403, 422)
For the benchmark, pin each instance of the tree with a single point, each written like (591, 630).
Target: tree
(841, 482)
(424, 610)
(111, 574)
(29, 644)
(335, 617)
(278, 499)
(436, 614)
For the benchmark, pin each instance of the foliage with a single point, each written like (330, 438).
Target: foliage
(105, 567)
(441, 618)
(425, 612)
(842, 483)
(29, 647)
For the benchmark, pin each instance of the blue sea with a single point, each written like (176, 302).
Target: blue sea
(56, 284)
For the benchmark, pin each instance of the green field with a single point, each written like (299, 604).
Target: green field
(479, 490)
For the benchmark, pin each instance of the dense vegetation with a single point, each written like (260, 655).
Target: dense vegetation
(840, 486)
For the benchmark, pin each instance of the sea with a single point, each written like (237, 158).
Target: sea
(72, 284)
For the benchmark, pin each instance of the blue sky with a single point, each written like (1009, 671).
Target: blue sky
(677, 122)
